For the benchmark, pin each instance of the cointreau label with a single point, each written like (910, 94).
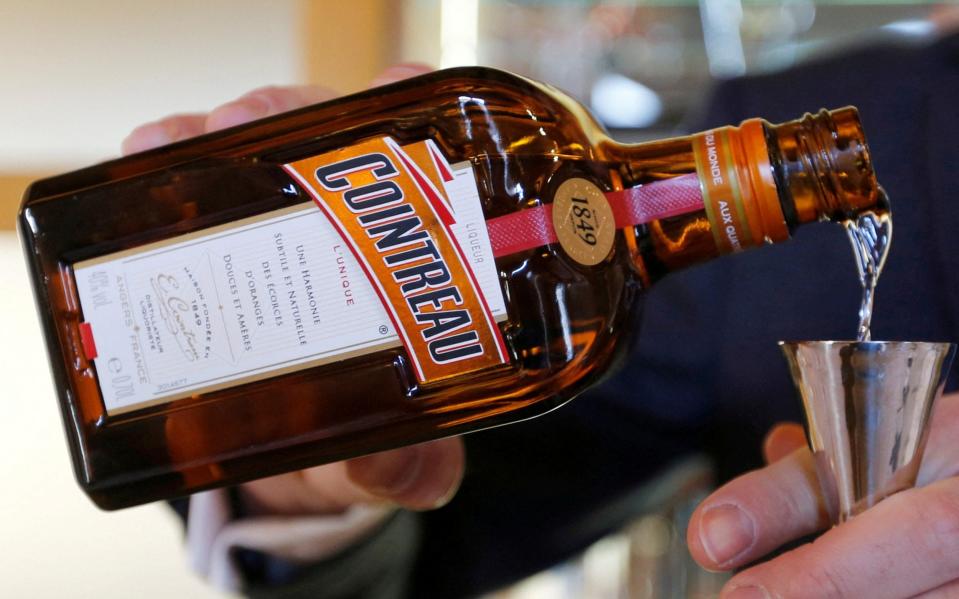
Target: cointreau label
(386, 202)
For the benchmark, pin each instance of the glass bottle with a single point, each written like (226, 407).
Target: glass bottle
(207, 325)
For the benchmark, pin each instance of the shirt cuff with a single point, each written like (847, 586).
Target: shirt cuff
(213, 534)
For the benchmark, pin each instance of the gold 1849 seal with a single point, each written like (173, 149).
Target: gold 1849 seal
(583, 220)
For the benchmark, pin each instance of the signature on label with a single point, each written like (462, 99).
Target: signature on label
(175, 312)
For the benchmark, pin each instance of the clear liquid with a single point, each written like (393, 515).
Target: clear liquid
(870, 235)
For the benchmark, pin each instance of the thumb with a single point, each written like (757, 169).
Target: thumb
(418, 477)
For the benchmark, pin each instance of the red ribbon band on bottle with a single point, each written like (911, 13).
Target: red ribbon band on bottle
(533, 227)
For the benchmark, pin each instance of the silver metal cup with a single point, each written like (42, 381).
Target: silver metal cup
(867, 407)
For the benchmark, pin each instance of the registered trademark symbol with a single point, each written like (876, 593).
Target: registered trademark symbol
(384, 329)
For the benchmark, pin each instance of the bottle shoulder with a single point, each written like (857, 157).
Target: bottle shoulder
(470, 111)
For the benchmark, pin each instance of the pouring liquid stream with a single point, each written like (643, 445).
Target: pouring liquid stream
(870, 235)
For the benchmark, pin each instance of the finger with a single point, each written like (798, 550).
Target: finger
(319, 490)
(782, 440)
(756, 513)
(264, 102)
(905, 545)
(420, 477)
(162, 132)
(417, 477)
(399, 72)
(941, 457)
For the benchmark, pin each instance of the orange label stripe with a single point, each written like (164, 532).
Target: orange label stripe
(388, 203)
(437, 201)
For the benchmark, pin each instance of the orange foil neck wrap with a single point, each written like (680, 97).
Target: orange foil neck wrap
(738, 189)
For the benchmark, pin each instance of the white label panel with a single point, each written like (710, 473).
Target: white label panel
(248, 300)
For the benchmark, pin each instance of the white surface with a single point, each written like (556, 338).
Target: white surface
(55, 543)
(77, 76)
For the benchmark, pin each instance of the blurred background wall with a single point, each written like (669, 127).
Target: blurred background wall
(76, 76)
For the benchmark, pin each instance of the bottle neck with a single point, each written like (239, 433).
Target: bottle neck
(758, 181)
(822, 167)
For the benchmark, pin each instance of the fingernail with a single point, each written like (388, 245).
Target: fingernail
(725, 531)
(390, 473)
(747, 592)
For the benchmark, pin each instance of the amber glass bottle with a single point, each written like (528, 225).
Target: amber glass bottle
(448, 253)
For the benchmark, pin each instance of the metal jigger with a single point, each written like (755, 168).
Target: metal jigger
(867, 407)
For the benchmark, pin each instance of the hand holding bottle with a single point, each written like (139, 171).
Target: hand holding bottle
(416, 477)
(906, 546)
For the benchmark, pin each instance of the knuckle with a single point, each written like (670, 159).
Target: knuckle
(813, 575)
(274, 96)
(929, 525)
(180, 126)
(794, 502)
(823, 583)
(170, 125)
(939, 516)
